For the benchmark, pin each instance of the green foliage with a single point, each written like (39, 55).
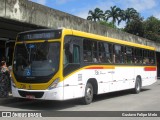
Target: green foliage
(108, 24)
(114, 14)
(130, 14)
(95, 15)
(152, 28)
(135, 24)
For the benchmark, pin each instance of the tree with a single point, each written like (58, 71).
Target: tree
(135, 26)
(114, 14)
(108, 24)
(121, 16)
(95, 15)
(130, 14)
(152, 28)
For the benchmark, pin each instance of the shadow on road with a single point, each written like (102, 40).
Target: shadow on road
(115, 94)
(27, 104)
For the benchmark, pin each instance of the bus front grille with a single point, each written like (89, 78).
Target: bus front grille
(26, 93)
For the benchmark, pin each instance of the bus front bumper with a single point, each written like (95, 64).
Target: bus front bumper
(54, 94)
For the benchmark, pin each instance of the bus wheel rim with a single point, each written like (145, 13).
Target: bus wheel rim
(89, 93)
(138, 86)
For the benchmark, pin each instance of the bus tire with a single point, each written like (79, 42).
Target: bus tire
(88, 96)
(138, 86)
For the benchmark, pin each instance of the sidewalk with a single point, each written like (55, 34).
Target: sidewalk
(6, 98)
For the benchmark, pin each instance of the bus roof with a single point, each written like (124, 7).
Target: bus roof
(103, 38)
(37, 30)
(93, 36)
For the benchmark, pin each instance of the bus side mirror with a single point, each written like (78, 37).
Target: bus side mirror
(10, 68)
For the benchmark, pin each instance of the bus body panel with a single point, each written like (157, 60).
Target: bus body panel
(105, 83)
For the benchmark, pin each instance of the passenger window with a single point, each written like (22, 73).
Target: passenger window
(105, 52)
(87, 55)
(151, 57)
(72, 54)
(118, 56)
(71, 58)
(138, 56)
(89, 50)
(101, 56)
(145, 57)
(65, 59)
(68, 54)
(129, 55)
(76, 54)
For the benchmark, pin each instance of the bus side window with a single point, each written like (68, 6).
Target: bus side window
(87, 56)
(105, 52)
(151, 57)
(71, 58)
(65, 58)
(68, 53)
(129, 55)
(76, 54)
(118, 54)
(138, 56)
(145, 57)
(72, 54)
(89, 51)
(101, 51)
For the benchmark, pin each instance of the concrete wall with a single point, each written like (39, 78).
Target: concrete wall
(32, 13)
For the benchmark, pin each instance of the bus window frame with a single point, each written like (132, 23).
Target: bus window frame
(70, 66)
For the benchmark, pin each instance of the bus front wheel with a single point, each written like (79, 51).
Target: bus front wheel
(88, 97)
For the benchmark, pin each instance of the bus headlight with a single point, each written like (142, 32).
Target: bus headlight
(54, 84)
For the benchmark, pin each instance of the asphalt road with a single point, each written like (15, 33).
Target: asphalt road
(147, 100)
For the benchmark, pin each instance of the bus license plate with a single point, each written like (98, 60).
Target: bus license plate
(30, 96)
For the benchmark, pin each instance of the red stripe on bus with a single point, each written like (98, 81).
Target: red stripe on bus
(150, 69)
(108, 67)
(95, 68)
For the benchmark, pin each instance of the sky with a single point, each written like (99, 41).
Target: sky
(80, 8)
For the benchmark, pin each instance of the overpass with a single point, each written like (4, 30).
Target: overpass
(22, 15)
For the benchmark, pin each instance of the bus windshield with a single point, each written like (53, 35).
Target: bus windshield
(36, 60)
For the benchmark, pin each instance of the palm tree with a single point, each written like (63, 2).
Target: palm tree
(130, 14)
(95, 15)
(121, 16)
(114, 14)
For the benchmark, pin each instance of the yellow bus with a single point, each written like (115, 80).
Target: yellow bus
(66, 64)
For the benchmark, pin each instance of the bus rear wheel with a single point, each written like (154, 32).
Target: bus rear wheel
(138, 86)
(88, 97)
